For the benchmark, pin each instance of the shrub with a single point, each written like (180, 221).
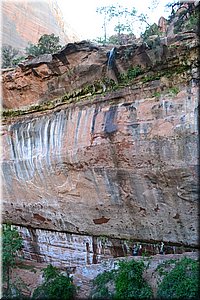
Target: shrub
(11, 244)
(131, 74)
(102, 284)
(48, 43)
(124, 283)
(10, 57)
(151, 30)
(55, 286)
(129, 282)
(181, 282)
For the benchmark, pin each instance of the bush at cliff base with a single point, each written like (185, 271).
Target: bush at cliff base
(55, 286)
(124, 283)
(182, 282)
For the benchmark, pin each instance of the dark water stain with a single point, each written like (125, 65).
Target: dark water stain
(94, 119)
(34, 247)
(77, 126)
(39, 217)
(94, 248)
(110, 115)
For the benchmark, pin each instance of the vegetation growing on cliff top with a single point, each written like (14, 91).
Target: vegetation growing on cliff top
(47, 43)
(10, 57)
(125, 21)
(103, 86)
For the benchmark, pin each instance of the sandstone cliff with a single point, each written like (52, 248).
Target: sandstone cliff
(25, 21)
(86, 157)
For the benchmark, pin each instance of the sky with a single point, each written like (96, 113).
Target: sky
(82, 16)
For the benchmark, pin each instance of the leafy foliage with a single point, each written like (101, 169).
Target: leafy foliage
(187, 18)
(151, 30)
(121, 39)
(10, 57)
(124, 283)
(131, 74)
(129, 283)
(102, 284)
(174, 90)
(121, 15)
(187, 21)
(11, 243)
(55, 286)
(47, 44)
(181, 282)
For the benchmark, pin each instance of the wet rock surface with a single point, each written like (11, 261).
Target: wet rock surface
(121, 163)
(124, 169)
(79, 65)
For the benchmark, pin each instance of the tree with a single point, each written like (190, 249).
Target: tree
(182, 282)
(47, 44)
(11, 243)
(10, 57)
(123, 16)
(151, 30)
(105, 11)
(125, 282)
(184, 15)
(55, 286)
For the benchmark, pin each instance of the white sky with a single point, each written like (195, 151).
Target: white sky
(82, 16)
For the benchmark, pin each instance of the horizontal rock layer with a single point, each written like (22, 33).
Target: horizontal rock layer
(80, 65)
(125, 168)
(120, 163)
(71, 250)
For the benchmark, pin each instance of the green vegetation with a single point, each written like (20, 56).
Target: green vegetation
(192, 22)
(165, 267)
(11, 244)
(182, 282)
(124, 18)
(131, 74)
(188, 18)
(124, 283)
(10, 57)
(27, 267)
(152, 77)
(55, 286)
(48, 43)
(156, 94)
(168, 73)
(174, 90)
(102, 87)
(151, 30)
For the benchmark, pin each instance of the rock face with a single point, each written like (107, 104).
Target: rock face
(162, 25)
(79, 65)
(25, 21)
(68, 249)
(122, 164)
(83, 275)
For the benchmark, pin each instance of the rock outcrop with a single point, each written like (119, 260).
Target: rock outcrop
(90, 157)
(26, 21)
(81, 68)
